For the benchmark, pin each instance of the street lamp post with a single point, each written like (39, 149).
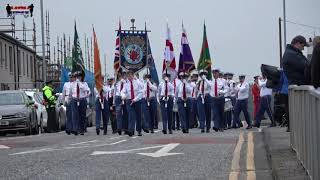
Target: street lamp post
(44, 64)
(284, 24)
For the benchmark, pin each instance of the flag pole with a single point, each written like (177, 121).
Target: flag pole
(147, 54)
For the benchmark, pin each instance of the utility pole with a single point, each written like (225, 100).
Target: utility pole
(284, 24)
(44, 64)
(280, 42)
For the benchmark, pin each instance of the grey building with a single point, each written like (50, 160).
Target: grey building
(20, 66)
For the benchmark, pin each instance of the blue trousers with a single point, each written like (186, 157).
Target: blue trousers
(202, 115)
(166, 113)
(69, 124)
(134, 112)
(150, 113)
(175, 121)
(145, 114)
(79, 114)
(264, 106)
(105, 114)
(218, 111)
(194, 113)
(241, 105)
(184, 108)
(208, 110)
(121, 114)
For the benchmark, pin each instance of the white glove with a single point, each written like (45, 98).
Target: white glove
(166, 79)
(174, 100)
(158, 100)
(184, 81)
(203, 77)
(123, 96)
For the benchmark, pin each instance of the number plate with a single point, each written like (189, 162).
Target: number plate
(4, 123)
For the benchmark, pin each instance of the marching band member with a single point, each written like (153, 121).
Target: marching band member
(150, 108)
(165, 94)
(242, 103)
(183, 95)
(229, 95)
(204, 102)
(120, 106)
(113, 120)
(176, 121)
(218, 89)
(194, 110)
(132, 94)
(79, 92)
(67, 102)
(256, 95)
(102, 107)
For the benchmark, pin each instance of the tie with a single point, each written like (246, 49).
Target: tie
(121, 86)
(101, 96)
(215, 88)
(148, 90)
(202, 88)
(78, 91)
(132, 90)
(166, 90)
(184, 91)
(174, 86)
(193, 92)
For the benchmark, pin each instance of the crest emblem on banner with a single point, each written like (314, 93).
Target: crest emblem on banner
(133, 51)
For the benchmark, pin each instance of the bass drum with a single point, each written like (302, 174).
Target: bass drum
(228, 105)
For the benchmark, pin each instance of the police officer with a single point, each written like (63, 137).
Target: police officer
(194, 109)
(79, 92)
(102, 107)
(184, 101)
(204, 102)
(165, 94)
(176, 121)
(132, 94)
(265, 101)
(150, 108)
(217, 90)
(242, 103)
(50, 102)
(121, 109)
(67, 102)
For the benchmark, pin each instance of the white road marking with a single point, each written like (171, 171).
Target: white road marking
(251, 174)
(66, 148)
(134, 137)
(116, 137)
(4, 147)
(85, 142)
(164, 151)
(260, 129)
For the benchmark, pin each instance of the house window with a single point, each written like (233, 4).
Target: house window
(10, 59)
(27, 62)
(19, 62)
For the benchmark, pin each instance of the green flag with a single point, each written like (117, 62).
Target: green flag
(205, 60)
(77, 59)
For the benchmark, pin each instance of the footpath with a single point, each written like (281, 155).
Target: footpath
(283, 160)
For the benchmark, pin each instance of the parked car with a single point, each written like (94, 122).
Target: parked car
(42, 116)
(17, 113)
(61, 113)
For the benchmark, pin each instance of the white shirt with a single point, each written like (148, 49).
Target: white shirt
(105, 92)
(188, 89)
(66, 91)
(152, 89)
(194, 89)
(176, 83)
(221, 87)
(242, 91)
(137, 90)
(264, 91)
(118, 87)
(206, 88)
(162, 89)
(232, 88)
(84, 90)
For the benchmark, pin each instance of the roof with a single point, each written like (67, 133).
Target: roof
(15, 41)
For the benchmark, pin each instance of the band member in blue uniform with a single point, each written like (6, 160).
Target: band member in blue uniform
(176, 122)
(67, 102)
(204, 102)
(102, 107)
(194, 107)
(121, 109)
(150, 98)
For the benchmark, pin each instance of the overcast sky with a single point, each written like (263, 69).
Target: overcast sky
(242, 34)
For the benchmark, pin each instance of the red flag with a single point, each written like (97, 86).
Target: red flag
(97, 65)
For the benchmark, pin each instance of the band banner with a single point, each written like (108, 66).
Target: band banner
(133, 50)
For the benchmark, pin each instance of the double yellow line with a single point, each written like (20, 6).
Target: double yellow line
(250, 166)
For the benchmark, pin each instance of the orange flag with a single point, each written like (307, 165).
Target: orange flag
(97, 65)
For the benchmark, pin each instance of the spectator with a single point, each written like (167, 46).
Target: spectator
(294, 62)
(315, 63)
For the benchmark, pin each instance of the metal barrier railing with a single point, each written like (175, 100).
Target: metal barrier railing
(304, 114)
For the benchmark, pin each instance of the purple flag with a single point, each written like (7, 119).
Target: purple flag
(186, 62)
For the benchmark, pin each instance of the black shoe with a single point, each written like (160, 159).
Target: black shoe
(208, 131)
(126, 133)
(98, 131)
(184, 131)
(215, 129)
(221, 129)
(152, 131)
(164, 131)
(105, 132)
(249, 127)
(241, 125)
(130, 134)
(68, 132)
(174, 129)
(146, 130)
(81, 133)
(139, 134)
(170, 131)
(187, 131)
(202, 130)
(120, 132)
(225, 128)
(273, 125)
